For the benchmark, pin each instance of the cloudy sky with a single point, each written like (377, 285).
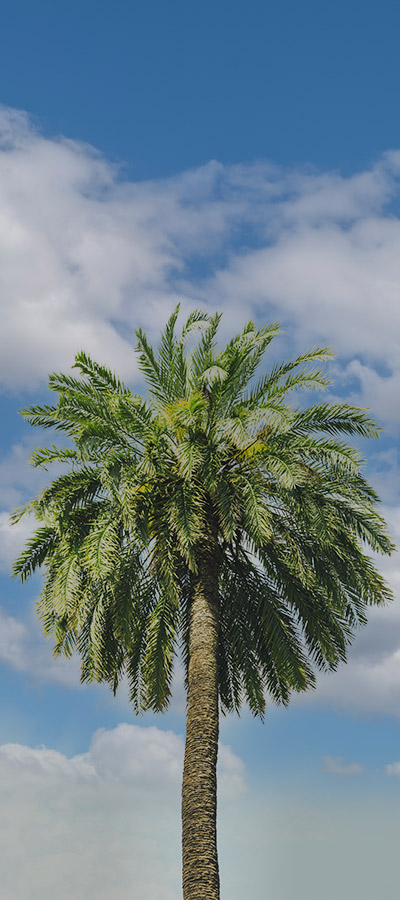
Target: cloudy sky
(243, 159)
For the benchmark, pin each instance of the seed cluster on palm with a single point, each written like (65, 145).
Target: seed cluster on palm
(214, 516)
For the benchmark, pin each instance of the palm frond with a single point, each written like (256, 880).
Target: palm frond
(214, 468)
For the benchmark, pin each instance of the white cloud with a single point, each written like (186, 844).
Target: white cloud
(333, 284)
(384, 470)
(85, 256)
(342, 842)
(23, 649)
(393, 769)
(106, 823)
(18, 479)
(335, 765)
(231, 777)
(374, 390)
(363, 686)
(12, 539)
(100, 824)
(14, 638)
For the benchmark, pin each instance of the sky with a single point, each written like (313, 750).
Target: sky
(235, 157)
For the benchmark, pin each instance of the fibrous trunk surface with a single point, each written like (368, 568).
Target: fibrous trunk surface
(199, 790)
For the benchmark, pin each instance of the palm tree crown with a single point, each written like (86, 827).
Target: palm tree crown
(211, 455)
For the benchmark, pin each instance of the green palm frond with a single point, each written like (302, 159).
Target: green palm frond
(211, 458)
(44, 455)
(159, 652)
(202, 356)
(101, 378)
(283, 377)
(38, 550)
(100, 549)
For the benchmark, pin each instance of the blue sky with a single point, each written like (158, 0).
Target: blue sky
(244, 158)
(162, 86)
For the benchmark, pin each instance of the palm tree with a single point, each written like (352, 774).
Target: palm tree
(215, 514)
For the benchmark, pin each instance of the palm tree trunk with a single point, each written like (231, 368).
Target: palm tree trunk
(199, 789)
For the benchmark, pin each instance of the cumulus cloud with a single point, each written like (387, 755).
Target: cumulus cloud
(12, 539)
(335, 765)
(330, 282)
(106, 823)
(86, 256)
(18, 479)
(103, 823)
(331, 265)
(376, 390)
(343, 844)
(14, 638)
(363, 686)
(23, 649)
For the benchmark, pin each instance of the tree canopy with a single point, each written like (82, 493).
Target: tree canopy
(119, 531)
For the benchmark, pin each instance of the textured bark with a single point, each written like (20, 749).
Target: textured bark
(199, 790)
